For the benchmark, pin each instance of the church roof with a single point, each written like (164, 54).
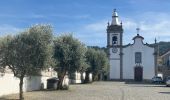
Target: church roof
(115, 26)
(138, 36)
(115, 19)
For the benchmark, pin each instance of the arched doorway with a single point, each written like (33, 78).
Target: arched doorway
(138, 73)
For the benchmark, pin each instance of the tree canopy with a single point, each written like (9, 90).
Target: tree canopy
(69, 55)
(98, 62)
(27, 52)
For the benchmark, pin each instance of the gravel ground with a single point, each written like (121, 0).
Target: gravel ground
(101, 91)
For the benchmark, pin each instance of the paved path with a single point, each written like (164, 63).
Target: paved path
(102, 91)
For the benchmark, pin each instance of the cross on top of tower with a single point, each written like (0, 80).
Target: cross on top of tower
(138, 29)
(114, 10)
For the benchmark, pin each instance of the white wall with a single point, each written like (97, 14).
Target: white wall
(10, 84)
(78, 77)
(114, 69)
(147, 60)
(114, 55)
(114, 65)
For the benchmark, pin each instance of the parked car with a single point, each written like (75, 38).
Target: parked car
(168, 81)
(157, 79)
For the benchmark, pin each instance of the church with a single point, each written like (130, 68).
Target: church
(135, 61)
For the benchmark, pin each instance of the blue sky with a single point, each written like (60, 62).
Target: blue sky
(87, 19)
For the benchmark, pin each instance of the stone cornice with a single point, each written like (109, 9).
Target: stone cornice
(116, 46)
(114, 28)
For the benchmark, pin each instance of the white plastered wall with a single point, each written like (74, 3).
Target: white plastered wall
(114, 65)
(10, 84)
(147, 60)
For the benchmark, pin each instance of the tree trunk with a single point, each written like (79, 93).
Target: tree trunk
(86, 77)
(21, 97)
(61, 80)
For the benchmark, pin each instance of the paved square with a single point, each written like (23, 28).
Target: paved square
(102, 91)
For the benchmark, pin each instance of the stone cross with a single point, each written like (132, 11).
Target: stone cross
(138, 29)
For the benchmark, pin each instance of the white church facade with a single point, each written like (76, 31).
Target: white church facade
(135, 61)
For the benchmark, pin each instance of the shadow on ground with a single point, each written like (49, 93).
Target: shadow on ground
(144, 84)
(148, 86)
(165, 92)
(147, 83)
(7, 99)
(134, 82)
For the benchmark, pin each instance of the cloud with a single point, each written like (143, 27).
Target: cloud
(85, 16)
(160, 28)
(81, 16)
(97, 26)
(8, 29)
(93, 34)
(129, 24)
(21, 16)
(151, 27)
(36, 16)
(156, 26)
(151, 24)
(7, 15)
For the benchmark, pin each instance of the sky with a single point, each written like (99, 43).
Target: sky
(87, 19)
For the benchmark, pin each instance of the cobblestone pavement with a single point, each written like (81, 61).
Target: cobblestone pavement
(101, 91)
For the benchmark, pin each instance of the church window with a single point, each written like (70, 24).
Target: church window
(114, 40)
(138, 57)
(168, 63)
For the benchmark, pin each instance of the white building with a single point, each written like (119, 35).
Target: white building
(10, 84)
(135, 61)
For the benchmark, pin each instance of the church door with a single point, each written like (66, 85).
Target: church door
(138, 71)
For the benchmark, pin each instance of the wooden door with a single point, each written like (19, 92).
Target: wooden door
(138, 71)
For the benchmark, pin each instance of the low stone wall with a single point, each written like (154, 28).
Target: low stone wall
(10, 84)
(77, 77)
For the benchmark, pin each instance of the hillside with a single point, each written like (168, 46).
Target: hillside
(163, 47)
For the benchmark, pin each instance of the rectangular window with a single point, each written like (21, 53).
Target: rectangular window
(138, 57)
(169, 61)
(167, 64)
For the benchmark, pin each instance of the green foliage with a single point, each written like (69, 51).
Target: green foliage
(69, 55)
(99, 48)
(163, 47)
(98, 61)
(28, 52)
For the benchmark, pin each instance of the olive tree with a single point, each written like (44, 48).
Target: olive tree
(69, 54)
(28, 52)
(98, 62)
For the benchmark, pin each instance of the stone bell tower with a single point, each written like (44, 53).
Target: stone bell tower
(114, 45)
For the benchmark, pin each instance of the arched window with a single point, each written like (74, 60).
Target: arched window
(114, 40)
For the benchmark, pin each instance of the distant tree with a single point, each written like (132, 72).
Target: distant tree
(99, 48)
(162, 46)
(27, 53)
(69, 55)
(98, 62)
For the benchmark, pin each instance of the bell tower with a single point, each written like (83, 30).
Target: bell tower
(114, 45)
